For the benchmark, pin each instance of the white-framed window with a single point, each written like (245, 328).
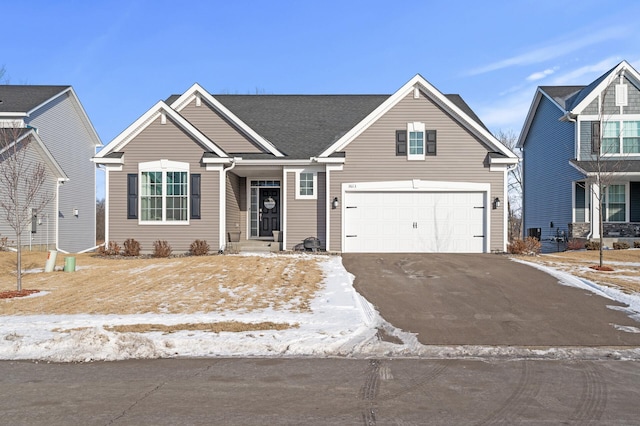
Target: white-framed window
(415, 141)
(164, 192)
(614, 203)
(306, 185)
(621, 137)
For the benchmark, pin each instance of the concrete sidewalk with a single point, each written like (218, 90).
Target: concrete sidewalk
(485, 299)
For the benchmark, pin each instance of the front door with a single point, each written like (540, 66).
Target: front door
(269, 211)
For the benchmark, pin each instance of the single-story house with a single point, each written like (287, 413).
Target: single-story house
(414, 171)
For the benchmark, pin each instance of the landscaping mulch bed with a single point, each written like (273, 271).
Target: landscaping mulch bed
(602, 268)
(15, 293)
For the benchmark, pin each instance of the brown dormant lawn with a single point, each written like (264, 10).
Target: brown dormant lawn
(625, 264)
(180, 285)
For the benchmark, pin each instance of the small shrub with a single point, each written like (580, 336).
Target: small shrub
(620, 245)
(199, 248)
(161, 248)
(636, 244)
(529, 246)
(592, 245)
(131, 248)
(575, 245)
(516, 246)
(109, 249)
(4, 242)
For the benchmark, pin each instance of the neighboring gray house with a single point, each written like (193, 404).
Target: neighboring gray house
(566, 128)
(65, 142)
(415, 171)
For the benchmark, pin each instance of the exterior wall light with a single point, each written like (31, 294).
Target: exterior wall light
(75, 212)
(496, 203)
(335, 203)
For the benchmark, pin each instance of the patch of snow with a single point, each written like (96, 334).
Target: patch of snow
(341, 323)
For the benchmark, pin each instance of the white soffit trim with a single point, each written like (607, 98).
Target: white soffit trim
(196, 90)
(416, 185)
(400, 94)
(613, 75)
(149, 117)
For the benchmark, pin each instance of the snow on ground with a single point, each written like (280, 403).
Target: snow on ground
(341, 324)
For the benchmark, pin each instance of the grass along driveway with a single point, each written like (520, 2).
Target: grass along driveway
(626, 265)
(181, 285)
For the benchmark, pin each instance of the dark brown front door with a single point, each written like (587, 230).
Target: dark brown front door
(269, 205)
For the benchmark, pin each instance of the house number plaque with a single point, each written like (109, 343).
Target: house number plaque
(269, 203)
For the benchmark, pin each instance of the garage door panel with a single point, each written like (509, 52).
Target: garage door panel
(414, 222)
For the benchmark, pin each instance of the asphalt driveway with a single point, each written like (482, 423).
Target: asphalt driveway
(485, 299)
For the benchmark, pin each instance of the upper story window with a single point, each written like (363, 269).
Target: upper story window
(415, 142)
(306, 185)
(621, 137)
(416, 138)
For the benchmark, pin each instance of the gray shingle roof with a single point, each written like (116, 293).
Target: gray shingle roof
(303, 126)
(563, 95)
(23, 98)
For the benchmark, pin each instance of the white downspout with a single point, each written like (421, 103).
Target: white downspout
(57, 214)
(223, 203)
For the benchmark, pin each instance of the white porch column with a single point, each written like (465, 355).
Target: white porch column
(595, 210)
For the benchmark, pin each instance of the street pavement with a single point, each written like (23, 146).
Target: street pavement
(320, 392)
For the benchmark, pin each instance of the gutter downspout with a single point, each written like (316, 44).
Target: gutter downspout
(58, 185)
(223, 203)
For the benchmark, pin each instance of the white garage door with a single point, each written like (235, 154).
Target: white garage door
(414, 222)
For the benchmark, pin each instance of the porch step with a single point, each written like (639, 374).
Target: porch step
(255, 246)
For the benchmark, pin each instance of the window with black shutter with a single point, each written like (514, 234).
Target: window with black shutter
(132, 196)
(195, 196)
(595, 137)
(431, 142)
(401, 142)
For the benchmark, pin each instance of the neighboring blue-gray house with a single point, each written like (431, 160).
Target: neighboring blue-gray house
(64, 141)
(571, 133)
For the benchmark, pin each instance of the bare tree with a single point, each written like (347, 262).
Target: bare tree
(607, 162)
(21, 185)
(514, 186)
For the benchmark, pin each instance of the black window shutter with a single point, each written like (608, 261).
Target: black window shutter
(431, 142)
(132, 196)
(595, 137)
(401, 142)
(195, 196)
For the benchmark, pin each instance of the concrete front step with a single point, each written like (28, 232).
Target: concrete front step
(255, 246)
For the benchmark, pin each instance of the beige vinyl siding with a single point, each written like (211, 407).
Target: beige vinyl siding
(234, 201)
(460, 157)
(169, 142)
(218, 129)
(305, 218)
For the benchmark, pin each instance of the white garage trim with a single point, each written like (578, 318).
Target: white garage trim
(419, 186)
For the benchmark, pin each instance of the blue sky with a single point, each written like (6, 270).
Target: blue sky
(121, 57)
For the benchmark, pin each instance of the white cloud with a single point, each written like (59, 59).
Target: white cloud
(586, 73)
(540, 75)
(554, 49)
